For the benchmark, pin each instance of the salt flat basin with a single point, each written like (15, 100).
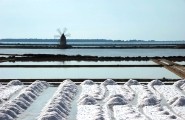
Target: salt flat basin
(89, 100)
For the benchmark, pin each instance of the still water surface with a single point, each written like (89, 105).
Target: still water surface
(100, 52)
(57, 73)
(86, 73)
(82, 63)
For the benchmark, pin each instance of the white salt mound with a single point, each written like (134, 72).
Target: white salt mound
(155, 82)
(178, 101)
(45, 84)
(149, 101)
(87, 82)
(51, 116)
(16, 110)
(26, 97)
(88, 100)
(116, 101)
(109, 82)
(8, 112)
(132, 82)
(5, 117)
(59, 106)
(179, 83)
(15, 82)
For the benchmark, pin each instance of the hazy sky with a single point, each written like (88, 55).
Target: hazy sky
(109, 19)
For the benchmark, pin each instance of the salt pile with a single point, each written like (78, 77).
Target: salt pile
(92, 89)
(132, 82)
(127, 112)
(14, 82)
(160, 113)
(116, 100)
(109, 82)
(9, 90)
(11, 109)
(105, 101)
(178, 101)
(179, 84)
(148, 98)
(59, 106)
(168, 91)
(87, 100)
(155, 82)
(87, 82)
(178, 105)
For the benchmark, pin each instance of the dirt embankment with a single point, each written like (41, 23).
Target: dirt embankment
(51, 57)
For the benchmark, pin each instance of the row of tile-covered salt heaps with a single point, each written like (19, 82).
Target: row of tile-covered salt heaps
(92, 101)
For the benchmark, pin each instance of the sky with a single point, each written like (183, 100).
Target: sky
(94, 19)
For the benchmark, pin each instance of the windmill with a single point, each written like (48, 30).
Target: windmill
(62, 36)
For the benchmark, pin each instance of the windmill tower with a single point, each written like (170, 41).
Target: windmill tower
(63, 42)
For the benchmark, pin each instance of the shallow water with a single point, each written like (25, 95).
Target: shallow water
(100, 52)
(64, 73)
(81, 63)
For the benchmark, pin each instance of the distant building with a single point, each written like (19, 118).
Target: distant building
(63, 42)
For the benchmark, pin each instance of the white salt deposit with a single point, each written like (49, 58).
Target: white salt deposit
(179, 110)
(89, 112)
(87, 100)
(168, 91)
(155, 82)
(158, 113)
(21, 102)
(132, 82)
(116, 100)
(87, 82)
(107, 101)
(5, 117)
(125, 112)
(92, 90)
(14, 82)
(109, 82)
(120, 90)
(178, 101)
(145, 96)
(9, 112)
(58, 107)
(179, 84)
(9, 91)
(149, 101)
